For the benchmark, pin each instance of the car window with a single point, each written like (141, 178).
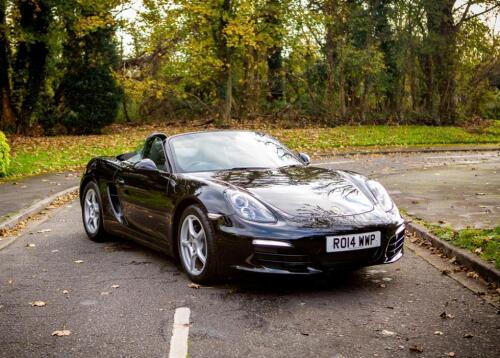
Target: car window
(135, 157)
(222, 150)
(156, 153)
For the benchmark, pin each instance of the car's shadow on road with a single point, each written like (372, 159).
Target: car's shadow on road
(368, 278)
(277, 284)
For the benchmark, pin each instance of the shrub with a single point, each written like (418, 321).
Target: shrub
(4, 154)
(91, 100)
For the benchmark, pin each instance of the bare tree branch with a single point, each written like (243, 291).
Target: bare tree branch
(467, 18)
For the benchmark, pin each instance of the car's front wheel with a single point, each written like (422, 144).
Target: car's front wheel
(196, 242)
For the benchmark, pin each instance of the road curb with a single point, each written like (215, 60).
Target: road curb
(463, 257)
(32, 210)
(413, 150)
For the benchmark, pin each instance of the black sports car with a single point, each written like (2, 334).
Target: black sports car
(223, 200)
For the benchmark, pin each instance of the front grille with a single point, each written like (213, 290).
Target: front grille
(282, 261)
(395, 245)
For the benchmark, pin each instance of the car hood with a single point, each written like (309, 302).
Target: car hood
(301, 191)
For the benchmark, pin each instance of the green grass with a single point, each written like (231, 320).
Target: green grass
(35, 155)
(482, 242)
(368, 136)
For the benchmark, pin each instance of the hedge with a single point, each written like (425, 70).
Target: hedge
(4, 155)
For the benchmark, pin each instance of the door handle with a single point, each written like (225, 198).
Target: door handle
(119, 181)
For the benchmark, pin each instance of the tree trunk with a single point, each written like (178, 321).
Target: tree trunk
(440, 60)
(125, 109)
(274, 59)
(31, 59)
(380, 11)
(225, 81)
(330, 65)
(251, 93)
(342, 97)
(7, 118)
(228, 100)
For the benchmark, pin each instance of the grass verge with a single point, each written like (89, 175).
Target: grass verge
(484, 243)
(36, 155)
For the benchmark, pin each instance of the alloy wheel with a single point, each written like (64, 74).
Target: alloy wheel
(91, 211)
(193, 243)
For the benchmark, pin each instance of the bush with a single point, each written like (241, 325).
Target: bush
(4, 155)
(91, 100)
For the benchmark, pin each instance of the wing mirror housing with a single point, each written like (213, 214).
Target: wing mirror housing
(146, 164)
(305, 158)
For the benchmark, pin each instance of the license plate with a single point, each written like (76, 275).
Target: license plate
(352, 242)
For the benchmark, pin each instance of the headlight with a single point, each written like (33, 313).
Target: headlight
(380, 194)
(248, 207)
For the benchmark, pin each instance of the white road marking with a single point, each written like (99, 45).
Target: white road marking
(339, 162)
(180, 333)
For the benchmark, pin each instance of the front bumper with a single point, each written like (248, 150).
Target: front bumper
(305, 252)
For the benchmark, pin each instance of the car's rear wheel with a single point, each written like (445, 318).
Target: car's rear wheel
(196, 243)
(92, 212)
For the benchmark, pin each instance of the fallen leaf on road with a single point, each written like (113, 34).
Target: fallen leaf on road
(65, 292)
(382, 285)
(30, 245)
(387, 279)
(78, 261)
(445, 315)
(62, 333)
(438, 333)
(44, 230)
(450, 354)
(480, 194)
(446, 272)
(452, 260)
(468, 335)
(194, 285)
(115, 286)
(387, 333)
(472, 274)
(38, 303)
(417, 349)
(55, 251)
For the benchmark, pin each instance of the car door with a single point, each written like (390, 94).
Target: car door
(144, 194)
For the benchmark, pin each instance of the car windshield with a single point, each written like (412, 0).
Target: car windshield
(224, 150)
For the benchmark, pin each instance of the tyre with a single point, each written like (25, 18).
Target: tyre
(92, 212)
(196, 244)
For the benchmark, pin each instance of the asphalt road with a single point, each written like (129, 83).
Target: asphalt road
(250, 316)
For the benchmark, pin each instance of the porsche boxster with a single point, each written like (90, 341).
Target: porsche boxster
(220, 201)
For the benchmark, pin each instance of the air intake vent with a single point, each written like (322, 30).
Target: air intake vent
(115, 203)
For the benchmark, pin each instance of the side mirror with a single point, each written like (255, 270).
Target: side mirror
(305, 158)
(146, 164)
